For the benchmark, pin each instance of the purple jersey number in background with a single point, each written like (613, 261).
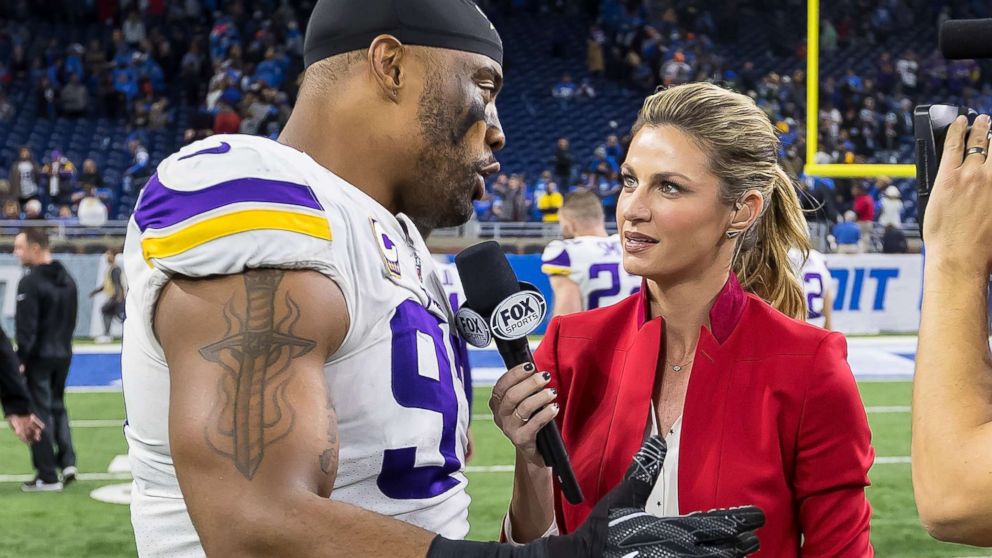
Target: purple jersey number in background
(813, 283)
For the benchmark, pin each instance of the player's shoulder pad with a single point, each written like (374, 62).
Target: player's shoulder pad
(555, 259)
(214, 206)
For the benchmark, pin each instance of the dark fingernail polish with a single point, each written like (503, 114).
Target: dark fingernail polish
(546, 376)
(555, 405)
(529, 367)
(554, 392)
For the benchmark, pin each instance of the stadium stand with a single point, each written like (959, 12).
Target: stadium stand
(176, 72)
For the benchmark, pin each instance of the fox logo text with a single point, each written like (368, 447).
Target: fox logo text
(518, 315)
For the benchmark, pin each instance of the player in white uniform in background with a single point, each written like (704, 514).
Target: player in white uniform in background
(586, 268)
(818, 285)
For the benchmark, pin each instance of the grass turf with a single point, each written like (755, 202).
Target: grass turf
(72, 524)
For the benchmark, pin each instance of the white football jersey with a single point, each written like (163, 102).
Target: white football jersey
(231, 203)
(816, 280)
(595, 263)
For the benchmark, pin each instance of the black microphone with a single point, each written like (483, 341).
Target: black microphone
(962, 39)
(495, 304)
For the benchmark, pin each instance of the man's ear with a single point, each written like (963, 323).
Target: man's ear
(387, 57)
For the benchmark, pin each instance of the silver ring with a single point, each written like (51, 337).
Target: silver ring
(522, 419)
(977, 149)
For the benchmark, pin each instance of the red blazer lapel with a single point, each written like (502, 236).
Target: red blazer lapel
(630, 414)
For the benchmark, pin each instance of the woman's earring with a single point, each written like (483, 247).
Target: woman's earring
(733, 234)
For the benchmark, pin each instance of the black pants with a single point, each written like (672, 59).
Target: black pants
(110, 310)
(46, 382)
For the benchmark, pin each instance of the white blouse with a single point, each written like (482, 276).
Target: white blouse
(664, 499)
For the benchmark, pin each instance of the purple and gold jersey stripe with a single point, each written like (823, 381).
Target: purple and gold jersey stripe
(226, 224)
(558, 265)
(163, 207)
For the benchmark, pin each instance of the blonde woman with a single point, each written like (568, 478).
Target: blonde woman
(757, 407)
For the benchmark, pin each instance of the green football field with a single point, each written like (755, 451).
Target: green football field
(72, 524)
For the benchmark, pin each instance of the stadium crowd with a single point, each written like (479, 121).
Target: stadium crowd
(240, 68)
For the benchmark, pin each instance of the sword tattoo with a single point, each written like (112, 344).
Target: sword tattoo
(253, 411)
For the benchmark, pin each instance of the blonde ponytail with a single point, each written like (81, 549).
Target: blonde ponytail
(743, 145)
(765, 269)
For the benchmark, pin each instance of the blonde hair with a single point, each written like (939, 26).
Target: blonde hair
(742, 147)
(583, 205)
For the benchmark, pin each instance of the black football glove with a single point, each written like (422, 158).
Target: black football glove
(618, 527)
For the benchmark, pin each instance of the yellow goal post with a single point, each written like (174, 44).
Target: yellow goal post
(813, 110)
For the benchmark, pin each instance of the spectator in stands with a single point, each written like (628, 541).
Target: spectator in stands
(75, 98)
(65, 215)
(595, 61)
(89, 177)
(113, 295)
(6, 109)
(563, 164)
(92, 211)
(907, 66)
(137, 174)
(515, 203)
(133, 29)
(158, 117)
(484, 207)
(95, 59)
(227, 120)
(564, 91)
(892, 206)
(47, 98)
(25, 177)
(11, 210)
(848, 234)
(549, 202)
(61, 176)
(676, 71)
(33, 210)
(864, 204)
(45, 318)
(894, 240)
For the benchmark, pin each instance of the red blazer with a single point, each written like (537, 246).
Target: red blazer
(772, 417)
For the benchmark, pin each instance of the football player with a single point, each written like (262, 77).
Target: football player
(818, 285)
(586, 268)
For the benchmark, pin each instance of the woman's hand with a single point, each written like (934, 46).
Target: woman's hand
(522, 404)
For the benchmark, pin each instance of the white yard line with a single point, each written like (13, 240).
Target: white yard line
(890, 409)
(80, 476)
(114, 423)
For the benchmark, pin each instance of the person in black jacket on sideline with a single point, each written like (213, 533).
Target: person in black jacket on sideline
(45, 318)
(14, 396)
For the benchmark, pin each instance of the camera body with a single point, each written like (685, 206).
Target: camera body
(930, 124)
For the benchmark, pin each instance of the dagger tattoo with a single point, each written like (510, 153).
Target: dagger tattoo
(253, 412)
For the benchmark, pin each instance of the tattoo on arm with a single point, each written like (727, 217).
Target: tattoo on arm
(253, 411)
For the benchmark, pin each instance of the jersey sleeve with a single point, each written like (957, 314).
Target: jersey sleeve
(555, 260)
(218, 209)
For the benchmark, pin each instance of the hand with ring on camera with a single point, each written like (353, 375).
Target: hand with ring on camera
(957, 224)
(522, 404)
